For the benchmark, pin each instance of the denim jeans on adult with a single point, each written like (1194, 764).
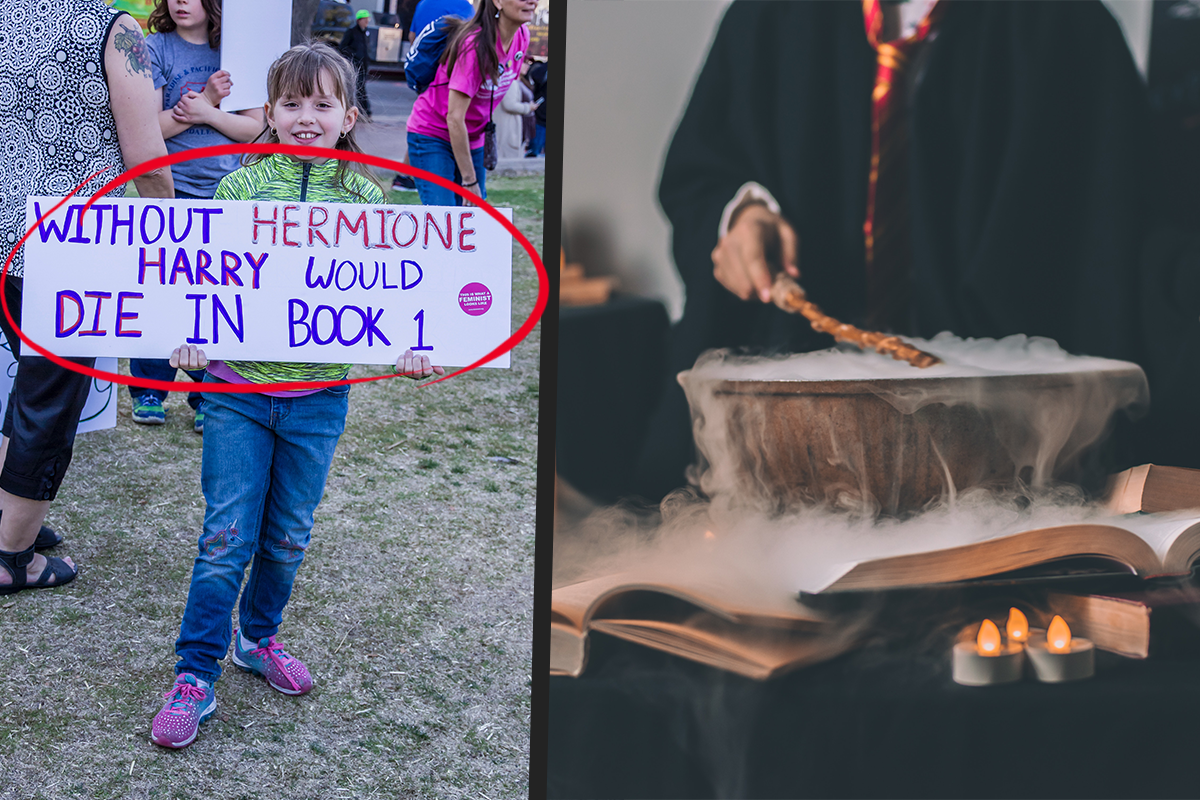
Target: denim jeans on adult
(434, 155)
(263, 472)
(160, 369)
(539, 141)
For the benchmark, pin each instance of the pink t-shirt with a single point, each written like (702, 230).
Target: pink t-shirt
(429, 113)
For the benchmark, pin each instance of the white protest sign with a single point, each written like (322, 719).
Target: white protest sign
(100, 410)
(253, 35)
(268, 280)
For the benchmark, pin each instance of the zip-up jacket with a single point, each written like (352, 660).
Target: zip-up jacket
(280, 177)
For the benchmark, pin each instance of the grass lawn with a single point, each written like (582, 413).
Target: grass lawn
(413, 609)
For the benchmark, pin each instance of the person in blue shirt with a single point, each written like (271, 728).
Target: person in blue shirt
(429, 10)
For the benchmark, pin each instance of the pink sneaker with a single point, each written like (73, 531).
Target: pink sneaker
(285, 673)
(189, 703)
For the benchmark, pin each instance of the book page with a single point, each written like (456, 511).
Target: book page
(721, 592)
(568, 651)
(571, 604)
(1160, 531)
(824, 553)
(756, 653)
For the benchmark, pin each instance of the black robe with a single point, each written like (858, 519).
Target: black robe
(1030, 180)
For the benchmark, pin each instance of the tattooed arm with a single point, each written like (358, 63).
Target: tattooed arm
(132, 96)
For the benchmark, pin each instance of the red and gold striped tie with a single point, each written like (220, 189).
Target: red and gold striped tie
(886, 229)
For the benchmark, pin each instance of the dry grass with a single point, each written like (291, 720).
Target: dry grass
(413, 608)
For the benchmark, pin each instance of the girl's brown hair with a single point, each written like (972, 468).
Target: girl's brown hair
(303, 72)
(484, 21)
(160, 20)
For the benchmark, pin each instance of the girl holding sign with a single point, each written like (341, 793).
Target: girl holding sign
(185, 58)
(267, 455)
(446, 129)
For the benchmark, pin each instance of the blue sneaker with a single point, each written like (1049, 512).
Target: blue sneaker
(190, 702)
(283, 672)
(148, 410)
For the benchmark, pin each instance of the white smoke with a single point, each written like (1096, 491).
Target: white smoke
(750, 524)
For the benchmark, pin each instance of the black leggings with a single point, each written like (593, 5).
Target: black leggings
(41, 416)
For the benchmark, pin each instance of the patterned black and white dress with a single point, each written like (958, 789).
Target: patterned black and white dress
(56, 126)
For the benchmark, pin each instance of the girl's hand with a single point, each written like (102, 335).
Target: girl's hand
(192, 109)
(416, 366)
(217, 87)
(188, 356)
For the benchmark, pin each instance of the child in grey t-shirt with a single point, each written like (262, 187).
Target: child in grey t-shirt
(186, 65)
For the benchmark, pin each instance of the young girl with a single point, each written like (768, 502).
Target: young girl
(186, 66)
(266, 455)
(483, 56)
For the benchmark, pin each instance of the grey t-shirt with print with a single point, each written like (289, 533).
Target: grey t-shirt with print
(180, 67)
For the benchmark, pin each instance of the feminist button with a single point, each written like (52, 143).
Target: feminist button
(475, 299)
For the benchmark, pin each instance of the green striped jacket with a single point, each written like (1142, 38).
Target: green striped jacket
(280, 177)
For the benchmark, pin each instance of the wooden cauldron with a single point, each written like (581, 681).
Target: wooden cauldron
(895, 445)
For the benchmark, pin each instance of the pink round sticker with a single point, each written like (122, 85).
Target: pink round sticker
(475, 299)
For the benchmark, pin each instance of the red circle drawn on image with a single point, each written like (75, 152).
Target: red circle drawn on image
(293, 150)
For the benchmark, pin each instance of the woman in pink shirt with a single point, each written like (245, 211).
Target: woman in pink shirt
(446, 127)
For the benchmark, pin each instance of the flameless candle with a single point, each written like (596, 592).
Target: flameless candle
(1017, 628)
(1058, 656)
(988, 660)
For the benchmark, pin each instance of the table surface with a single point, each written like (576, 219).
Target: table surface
(885, 721)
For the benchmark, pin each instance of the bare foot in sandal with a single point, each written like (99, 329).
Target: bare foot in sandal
(27, 570)
(33, 572)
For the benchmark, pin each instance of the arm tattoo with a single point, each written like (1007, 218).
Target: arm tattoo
(137, 55)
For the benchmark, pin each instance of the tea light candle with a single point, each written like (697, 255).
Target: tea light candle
(987, 660)
(1017, 629)
(1057, 656)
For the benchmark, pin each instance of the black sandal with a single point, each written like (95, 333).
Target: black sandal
(46, 537)
(17, 563)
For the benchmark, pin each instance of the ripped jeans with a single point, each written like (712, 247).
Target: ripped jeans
(263, 473)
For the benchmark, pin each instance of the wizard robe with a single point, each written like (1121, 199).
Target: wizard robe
(1029, 190)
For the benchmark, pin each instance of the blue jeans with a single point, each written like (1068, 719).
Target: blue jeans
(263, 473)
(434, 155)
(160, 369)
(539, 141)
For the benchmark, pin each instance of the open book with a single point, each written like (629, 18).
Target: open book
(759, 635)
(1148, 545)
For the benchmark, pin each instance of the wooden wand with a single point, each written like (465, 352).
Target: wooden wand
(788, 295)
